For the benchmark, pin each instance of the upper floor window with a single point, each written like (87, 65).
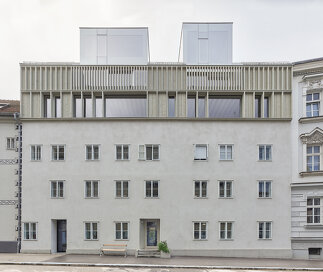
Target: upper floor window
(226, 152)
(132, 106)
(78, 111)
(35, 152)
(57, 189)
(312, 104)
(264, 230)
(314, 210)
(122, 152)
(47, 107)
(265, 152)
(58, 107)
(313, 158)
(149, 152)
(226, 230)
(91, 189)
(30, 231)
(224, 106)
(199, 230)
(225, 189)
(152, 189)
(92, 152)
(261, 106)
(200, 189)
(201, 107)
(99, 106)
(122, 188)
(191, 106)
(122, 230)
(88, 107)
(171, 106)
(58, 152)
(10, 143)
(264, 189)
(91, 230)
(201, 152)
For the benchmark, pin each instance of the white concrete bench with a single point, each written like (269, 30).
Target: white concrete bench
(106, 248)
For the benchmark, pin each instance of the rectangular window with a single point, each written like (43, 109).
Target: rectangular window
(225, 188)
(10, 143)
(265, 152)
(122, 230)
(224, 107)
(91, 230)
(312, 104)
(258, 108)
(152, 189)
(314, 251)
(313, 158)
(125, 107)
(57, 189)
(47, 107)
(92, 152)
(30, 231)
(98, 107)
(78, 112)
(91, 189)
(191, 109)
(226, 152)
(314, 210)
(201, 152)
(171, 106)
(264, 230)
(200, 189)
(122, 188)
(201, 107)
(122, 152)
(35, 152)
(200, 230)
(58, 107)
(58, 152)
(225, 230)
(88, 108)
(149, 152)
(264, 189)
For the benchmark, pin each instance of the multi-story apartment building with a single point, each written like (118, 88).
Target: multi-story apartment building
(117, 148)
(10, 173)
(307, 148)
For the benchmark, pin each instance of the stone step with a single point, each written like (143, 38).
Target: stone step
(148, 253)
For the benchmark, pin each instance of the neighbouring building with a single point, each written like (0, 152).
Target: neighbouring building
(307, 150)
(10, 173)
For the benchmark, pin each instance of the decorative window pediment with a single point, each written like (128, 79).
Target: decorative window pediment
(314, 137)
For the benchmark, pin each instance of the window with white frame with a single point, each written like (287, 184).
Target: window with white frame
(225, 188)
(200, 188)
(57, 189)
(58, 152)
(226, 152)
(122, 230)
(151, 188)
(201, 152)
(35, 152)
(92, 152)
(30, 231)
(149, 152)
(313, 158)
(91, 230)
(122, 152)
(312, 104)
(265, 230)
(122, 188)
(265, 152)
(200, 230)
(10, 143)
(314, 210)
(264, 189)
(91, 189)
(226, 230)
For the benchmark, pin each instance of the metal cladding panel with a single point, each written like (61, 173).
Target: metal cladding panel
(207, 43)
(114, 46)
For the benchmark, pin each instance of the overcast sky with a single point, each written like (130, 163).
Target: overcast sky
(48, 30)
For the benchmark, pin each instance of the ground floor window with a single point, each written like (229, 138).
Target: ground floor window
(122, 229)
(30, 231)
(200, 230)
(91, 230)
(122, 188)
(225, 230)
(264, 230)
(313, 210)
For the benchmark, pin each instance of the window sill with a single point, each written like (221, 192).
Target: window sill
(121, 239)
(199, 240)
(122, 160)
(313, 226)
(264, 160)
(222, 197)
(57, 198)
(121, 197)
(35, 160)
(30, 240)
(312, 173)
(92, 160)
(201, 197)
(91, 239)
(265, 239)
(201, 160)
(313, 119)
(57, 160)
(225, 160)
(91, 197)
(224, 240)
(147, 197)
(265, 197)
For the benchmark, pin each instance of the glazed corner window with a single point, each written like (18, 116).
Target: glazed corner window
(125, 107)
(78, 112)
(201, 107)
(152, 189)
(35, 152)
(265, 152)
(200, 189)
(171, 106)
(47, 107)
(88, 107)
(57, 189)
(99, 107)
(92, 152)
(122, 152)
(91, 230)
(58, 152)
(314, 210)
(258, 107)
(149, 152)
(201, 152)
(313, 158)
(191, 108)
(225, 188)
(30, 231)
(225, 230)
(58, 107)
(264, 230)
(122, 188)
(122, 230)
(264, 189)
(91, 189)
(200, 230)
(10, 143)
(224, 106)
(226, 152)
(312, 104)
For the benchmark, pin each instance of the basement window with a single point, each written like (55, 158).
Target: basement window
(314, 251)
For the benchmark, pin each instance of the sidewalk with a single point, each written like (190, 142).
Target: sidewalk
(174, 262)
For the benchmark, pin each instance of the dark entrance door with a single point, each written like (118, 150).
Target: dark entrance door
(61, 235)
(151, 233)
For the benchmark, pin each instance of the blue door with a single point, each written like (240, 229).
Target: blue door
(151, 233)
